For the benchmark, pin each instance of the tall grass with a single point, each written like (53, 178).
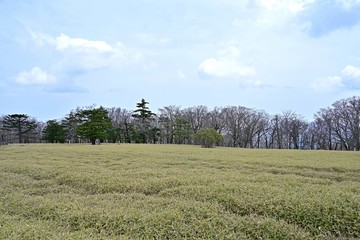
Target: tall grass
(177, 192)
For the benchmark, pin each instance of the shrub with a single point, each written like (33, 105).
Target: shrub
(207, 137)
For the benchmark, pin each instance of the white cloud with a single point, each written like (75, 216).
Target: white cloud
(226, 64)
(293, 6)
(224, 68)
(327, 84)
(281, 14)
(349, 4)
(151, 39)
(80, 54)
(36, 76)
(181, 75)
(41, 38)
(246, 83)
(88, 54)
(64, 42)
(351, 71)
(351, 77)
(349, 80)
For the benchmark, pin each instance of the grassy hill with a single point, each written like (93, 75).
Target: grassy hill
(177, 192)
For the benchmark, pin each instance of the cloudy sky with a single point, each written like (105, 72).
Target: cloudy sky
(275, 55)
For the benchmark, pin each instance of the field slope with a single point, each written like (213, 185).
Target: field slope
(177, 192)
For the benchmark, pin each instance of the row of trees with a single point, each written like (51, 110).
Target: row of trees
(334, 128)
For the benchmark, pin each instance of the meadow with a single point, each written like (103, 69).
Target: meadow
(128, 191)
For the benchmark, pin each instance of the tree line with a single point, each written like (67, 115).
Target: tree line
(336, 127)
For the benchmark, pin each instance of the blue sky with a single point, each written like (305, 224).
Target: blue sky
(275, 55)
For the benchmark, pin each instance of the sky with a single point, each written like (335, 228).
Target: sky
(271, 55)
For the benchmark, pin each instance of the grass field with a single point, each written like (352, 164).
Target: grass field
(177, 192)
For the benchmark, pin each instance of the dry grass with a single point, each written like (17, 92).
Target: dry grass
(176, 192)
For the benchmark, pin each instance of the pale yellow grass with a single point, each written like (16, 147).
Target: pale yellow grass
(112, 191)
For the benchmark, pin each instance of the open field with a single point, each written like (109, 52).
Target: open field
(177, 192)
